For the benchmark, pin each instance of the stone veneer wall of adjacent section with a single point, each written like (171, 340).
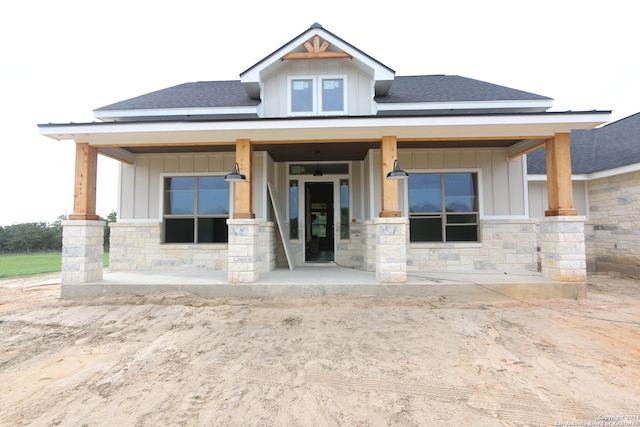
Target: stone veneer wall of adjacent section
(506, 245)
(612, 233)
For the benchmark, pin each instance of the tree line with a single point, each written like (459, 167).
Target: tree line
(40, 236)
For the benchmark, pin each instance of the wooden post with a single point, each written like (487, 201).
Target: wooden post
(559, 187)
(84, 194)
(244, 190)
(389, 153)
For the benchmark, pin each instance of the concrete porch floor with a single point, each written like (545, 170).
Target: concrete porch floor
(331, 279)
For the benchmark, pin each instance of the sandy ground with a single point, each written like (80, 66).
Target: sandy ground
(177, 360)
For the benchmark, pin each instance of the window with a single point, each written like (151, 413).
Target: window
(443, 207)
(310, 96)
(196, 209)
(302, 99)
(293, 209)
(332, 95)
(344, 209)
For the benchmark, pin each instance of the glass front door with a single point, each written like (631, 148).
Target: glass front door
(319, 224)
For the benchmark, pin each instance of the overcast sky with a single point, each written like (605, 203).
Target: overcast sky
(60, 60)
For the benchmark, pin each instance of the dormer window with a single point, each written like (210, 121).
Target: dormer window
(302, 96)
(317, 95)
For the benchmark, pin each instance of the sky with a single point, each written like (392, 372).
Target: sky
(60, 60)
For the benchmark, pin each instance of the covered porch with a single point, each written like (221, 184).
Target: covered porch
(562, 259)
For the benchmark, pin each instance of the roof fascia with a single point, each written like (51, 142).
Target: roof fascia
(543, 178)
(252, 77)
(635, 167)
(524, 125)
(111, 115)
(538, 105)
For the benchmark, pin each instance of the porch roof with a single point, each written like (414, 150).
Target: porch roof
(519, 132)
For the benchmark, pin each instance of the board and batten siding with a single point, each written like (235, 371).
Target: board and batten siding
(141, 184)
(502, 180)
(359, 85)
(539, 198)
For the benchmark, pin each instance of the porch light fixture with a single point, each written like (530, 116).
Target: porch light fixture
(397, 173)
(317, 172)
(235, 175)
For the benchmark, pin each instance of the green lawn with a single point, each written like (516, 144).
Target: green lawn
(41, 262)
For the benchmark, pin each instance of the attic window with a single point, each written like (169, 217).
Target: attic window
(322, 95)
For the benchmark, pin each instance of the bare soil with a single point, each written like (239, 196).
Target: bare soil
(176, 359)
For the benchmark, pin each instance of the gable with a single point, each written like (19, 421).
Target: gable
(316, 43)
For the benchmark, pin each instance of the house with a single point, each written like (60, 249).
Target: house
(605, 164)
(313, 138)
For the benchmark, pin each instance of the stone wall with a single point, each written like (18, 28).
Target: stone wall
(136, 246)
(349, 252)
(268, 239)
(613, 228)
(507, 245)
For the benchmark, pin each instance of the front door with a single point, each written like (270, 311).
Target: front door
(319, 228)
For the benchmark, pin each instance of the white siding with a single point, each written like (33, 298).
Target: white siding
(502, 180)
(141, 184)
(539, 199)
(359, 85)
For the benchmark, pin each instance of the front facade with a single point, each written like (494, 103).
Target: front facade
(606, 188)
(315, 128)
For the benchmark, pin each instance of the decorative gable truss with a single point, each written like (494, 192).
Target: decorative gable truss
(315, 50)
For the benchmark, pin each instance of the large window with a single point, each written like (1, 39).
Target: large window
(196, 209)
(317, 95)
(443, 207)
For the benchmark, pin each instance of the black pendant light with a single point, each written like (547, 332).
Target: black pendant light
(397, 173)
(235, 176)
(317, 172)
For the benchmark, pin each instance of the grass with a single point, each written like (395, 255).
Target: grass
(14, 265)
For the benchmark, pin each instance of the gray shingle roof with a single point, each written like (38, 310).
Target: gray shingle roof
(614, 145)
(405, 89)
(443, 88)
(189, 95)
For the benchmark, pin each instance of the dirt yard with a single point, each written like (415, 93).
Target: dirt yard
(173, 359)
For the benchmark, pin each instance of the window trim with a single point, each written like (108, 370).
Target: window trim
(317, 93)
(443, 214)
(195, 215)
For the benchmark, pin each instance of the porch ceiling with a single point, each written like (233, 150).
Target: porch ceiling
(326, 151)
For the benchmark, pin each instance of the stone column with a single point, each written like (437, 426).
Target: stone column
(562, 248)
(82, 250)
(243, 250)
(391, 249)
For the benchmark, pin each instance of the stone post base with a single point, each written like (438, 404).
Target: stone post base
(562, 248)
(82, 250)
(391, 249)
(243, 250)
